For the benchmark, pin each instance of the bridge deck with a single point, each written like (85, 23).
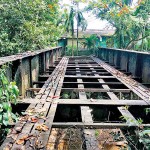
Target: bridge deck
(77, 94)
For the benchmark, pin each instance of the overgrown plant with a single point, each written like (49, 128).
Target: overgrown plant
(69, 95)
(9, 93)
(141, 133)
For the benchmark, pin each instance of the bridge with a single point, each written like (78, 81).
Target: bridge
(80, 102)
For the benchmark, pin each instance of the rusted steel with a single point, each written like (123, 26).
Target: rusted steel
(102, 102)
(94, 125)
(7, 59)
(49, 98)
(136, 62)
(136, 87)
(29, 128)
(97, 90)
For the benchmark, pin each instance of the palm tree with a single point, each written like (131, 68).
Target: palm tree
(81, 22)
(69, 23)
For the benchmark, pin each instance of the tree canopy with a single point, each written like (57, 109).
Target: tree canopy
(131, 23)
(28, 25)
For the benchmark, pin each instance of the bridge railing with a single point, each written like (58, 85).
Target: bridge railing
(25, 68)
(138, 63)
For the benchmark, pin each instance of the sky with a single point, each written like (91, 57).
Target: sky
(94, 23)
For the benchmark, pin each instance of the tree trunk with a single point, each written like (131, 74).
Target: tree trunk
(77, 29)
(72, 45)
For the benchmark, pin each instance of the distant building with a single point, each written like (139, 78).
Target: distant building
(102, 35)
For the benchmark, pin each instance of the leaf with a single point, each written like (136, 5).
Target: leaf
(92, 100)
(33, 119)
(41, 110)
(6, 106)
(21, 140)
(30, 112)
(24, 118)
(55, 96)
(42, 127)
(1, 107)
(65, 96)
(5, 119)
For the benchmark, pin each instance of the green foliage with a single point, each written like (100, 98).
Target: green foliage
(147, 111)
(69, 22)
(96, 133)
(116, 136)
(90, 42)
(8, 94)
(141, 133)
(96, 95)
(28, 25)
(132, 24)
(132, 122)
(144, 137)
(69, 50)
(69, 95)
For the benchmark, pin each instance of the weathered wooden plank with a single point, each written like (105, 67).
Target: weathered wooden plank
(90, 139)
(106, 83)
(94, 125)
(93, 77)
(136, 87)
(4, 60)
(102, 102)
(97, 90)
(127, 115)
(52, 111)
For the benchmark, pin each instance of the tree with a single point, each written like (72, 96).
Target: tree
(28, 25)
(69, 23)
(132, 24)
(90, 42)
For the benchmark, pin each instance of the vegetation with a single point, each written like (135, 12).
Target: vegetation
(28, 25)
(91, 43)
(132, 24)
(8, 95)
(69, 23)
(69, 50)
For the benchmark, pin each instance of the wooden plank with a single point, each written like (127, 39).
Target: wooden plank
(56, 92)
(90, 139)
(136, 87)
(94, 125)
(87, 73)
(112, 96)
(30, 127)
(102, 102)
(34, 89)
(93, 77)
(97, 90)
(108, 83)
(4, 60)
